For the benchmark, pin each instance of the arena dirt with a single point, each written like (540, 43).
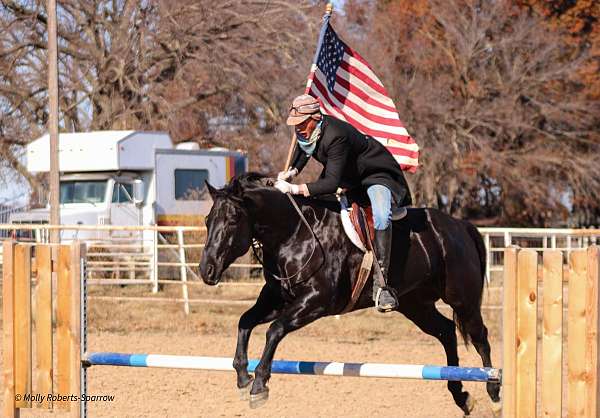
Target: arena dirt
(210, 330)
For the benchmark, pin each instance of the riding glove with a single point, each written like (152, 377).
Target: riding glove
(285, 187)
(287, 175)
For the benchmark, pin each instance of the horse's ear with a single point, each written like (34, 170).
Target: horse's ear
(237, 191)
(211, 190)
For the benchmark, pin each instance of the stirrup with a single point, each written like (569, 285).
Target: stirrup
(387, 307)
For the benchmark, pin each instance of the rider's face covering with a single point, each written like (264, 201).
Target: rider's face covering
(301, 137)
(305, 129)
(307, 138)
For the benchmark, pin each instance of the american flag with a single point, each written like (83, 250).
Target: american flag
(348, 90)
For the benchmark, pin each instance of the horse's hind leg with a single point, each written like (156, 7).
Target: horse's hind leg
(432, 322)
(265, 309)
(476, 329)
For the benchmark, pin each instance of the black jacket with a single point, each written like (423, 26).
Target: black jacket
(351, 160)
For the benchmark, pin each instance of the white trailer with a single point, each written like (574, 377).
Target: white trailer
(130, 178)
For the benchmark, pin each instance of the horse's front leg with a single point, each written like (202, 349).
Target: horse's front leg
(267, 307)
(295, 316)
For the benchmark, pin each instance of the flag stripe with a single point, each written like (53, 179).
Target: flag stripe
(406, 160)
(356, 56)
(405, 150)
(359, 122)
(408, 146)
(367, 119)
(366, 109)
(364, 96)
(363, 77)
(357, 83)
(378, 134)
(352, 61)
(401, 150)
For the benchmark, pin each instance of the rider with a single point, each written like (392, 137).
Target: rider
(350, 159)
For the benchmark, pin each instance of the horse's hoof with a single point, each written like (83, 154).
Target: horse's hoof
(259, 399)
(497, 409)
(469, 405)
(245, 391)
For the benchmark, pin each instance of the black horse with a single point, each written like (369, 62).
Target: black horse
(434, 256)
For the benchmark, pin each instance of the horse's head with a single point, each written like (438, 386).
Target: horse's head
(229, 228)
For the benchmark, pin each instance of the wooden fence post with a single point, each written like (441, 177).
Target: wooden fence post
(63, 319)
(18, 333)
(22, 324)
(591, 343)
(77, 270)
(576, 325)
(509, 324)
(43, 324)
(8, 328)
(552, 334)
(526, 368)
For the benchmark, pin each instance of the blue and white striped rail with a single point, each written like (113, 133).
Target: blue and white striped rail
(402, 371)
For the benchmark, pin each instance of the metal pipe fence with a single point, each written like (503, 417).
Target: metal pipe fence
(539, 239)
(5, 212)
(159, 256)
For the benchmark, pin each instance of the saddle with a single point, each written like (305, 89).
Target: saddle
(358, 225)
(362, 221)
(358, 222)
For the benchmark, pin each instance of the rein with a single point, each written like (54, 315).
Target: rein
(256, 244)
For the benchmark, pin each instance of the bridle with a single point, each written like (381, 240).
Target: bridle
(256, 245)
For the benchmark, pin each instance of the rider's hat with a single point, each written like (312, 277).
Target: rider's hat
(303, 107)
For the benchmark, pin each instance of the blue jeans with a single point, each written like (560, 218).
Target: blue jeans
(381, 205)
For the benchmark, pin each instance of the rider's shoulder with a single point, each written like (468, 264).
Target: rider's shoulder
(336, 128)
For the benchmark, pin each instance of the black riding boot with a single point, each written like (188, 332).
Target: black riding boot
(383, 297)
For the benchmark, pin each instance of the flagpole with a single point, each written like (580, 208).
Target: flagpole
(326, 17)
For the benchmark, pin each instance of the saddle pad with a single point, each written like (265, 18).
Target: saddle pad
(350, 231)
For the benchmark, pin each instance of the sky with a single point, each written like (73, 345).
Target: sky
(13, 192)
(13, 189)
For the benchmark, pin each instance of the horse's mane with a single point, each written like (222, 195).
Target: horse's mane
(254, 180)
(247, 181)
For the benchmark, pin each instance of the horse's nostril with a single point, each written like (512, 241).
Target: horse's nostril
(209, 270)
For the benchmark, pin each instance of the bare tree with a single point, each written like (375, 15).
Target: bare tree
(493, 98)
(204, 71)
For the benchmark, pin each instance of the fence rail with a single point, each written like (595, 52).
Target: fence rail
(5, 212)
(539, 239)
(173, 252)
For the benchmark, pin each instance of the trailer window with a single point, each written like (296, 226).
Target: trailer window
(189, 184)
(82, 191)
(122, 193)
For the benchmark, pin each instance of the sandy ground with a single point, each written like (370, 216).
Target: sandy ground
(366, 336)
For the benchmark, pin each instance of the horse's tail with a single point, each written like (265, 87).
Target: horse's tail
(478, 240)
(481, 252)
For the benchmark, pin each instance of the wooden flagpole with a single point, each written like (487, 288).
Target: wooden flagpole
(53, 120)
(328, 12)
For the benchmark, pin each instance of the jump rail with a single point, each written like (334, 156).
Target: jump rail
(398, 371)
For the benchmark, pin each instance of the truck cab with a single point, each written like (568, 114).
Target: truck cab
(130, 178)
